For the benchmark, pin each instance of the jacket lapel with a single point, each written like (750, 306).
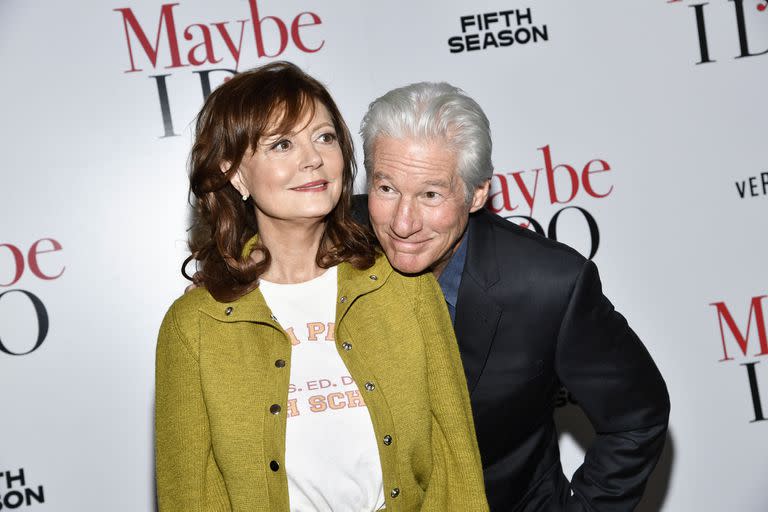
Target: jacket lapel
(477, 315)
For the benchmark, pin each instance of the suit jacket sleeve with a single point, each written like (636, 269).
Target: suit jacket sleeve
(606, 367)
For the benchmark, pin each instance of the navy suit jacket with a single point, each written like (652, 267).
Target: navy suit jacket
(530, 317)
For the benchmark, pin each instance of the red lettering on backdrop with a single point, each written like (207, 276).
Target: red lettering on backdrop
(257, 21)
(530, 197)
(551, 177)
(756, 310)
(233, 50)
(295, 26)
(18, 259)
(207, 44)
(166, 17)
(585, 177)
(528, 188)
(504, 193)
(32, 258)
(167, 25)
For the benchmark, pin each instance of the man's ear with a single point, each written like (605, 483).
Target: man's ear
(236, 179)
(480, 196)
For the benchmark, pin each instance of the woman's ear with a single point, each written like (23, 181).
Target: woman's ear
(236, 179)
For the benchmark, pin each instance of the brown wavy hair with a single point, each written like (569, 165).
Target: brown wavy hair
(264, 101)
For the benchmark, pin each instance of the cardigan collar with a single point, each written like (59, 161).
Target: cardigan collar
(352, 283)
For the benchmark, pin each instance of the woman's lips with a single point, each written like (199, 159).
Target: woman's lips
(312, 186)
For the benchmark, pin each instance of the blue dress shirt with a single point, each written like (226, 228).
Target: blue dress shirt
(450, 278)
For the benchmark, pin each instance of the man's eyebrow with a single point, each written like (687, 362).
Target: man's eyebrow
(438, 183)
(377, 175)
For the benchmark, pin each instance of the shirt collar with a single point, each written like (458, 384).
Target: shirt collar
(450, 278)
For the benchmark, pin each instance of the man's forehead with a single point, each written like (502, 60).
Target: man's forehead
(418, 177)
(427, 160)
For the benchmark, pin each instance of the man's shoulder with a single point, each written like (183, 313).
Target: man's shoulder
(515, 246)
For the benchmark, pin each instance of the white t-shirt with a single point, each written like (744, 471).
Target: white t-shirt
(331, 456)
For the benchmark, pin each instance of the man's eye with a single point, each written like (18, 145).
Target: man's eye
(385, 188)
(281, 145)
(431, 195)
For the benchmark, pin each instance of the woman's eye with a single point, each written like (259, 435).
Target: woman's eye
(281, 145)
(327, 137)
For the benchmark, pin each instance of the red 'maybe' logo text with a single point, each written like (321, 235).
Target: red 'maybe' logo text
(516, 194)
(210, 48)
(198, 49)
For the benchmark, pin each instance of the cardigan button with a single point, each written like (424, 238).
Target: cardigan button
(273, 317)
(343, 299)
(228, 311)
(370, 386)
(394, 492)
(373, 277)
(346, 345)
(387, 440)
(274, 465)
(275, 409)
(280, 363)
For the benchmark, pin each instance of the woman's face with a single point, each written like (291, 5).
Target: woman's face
(295, 176)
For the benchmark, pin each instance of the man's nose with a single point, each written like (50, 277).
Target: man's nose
(406, 220)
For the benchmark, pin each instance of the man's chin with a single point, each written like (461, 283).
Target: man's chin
(408, 264)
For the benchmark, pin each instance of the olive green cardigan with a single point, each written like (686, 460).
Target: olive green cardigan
(220, 369)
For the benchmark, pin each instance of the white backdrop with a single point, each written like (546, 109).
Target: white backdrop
(94, 213)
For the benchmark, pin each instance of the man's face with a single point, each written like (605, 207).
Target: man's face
(417, 203)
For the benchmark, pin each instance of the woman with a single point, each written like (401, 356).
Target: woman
(307, 374)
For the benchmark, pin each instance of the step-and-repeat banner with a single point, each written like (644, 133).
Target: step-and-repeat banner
(633, 131)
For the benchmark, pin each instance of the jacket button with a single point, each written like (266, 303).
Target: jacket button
(370, 386)
(394, 492)
(275, 409)
(274, 466)
(280, 363)
(373, 277)
(228, 311)
(343, 299)
(346, 345)
(387, 440)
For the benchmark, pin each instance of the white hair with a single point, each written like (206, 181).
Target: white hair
(432, 111)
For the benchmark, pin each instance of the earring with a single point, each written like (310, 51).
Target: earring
(246, 196)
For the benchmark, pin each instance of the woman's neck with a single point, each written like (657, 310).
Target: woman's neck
(293, 249)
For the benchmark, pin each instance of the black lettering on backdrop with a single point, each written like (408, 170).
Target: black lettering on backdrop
(594, 232)
(755, 390)
(741, 28)
(42, 322)
(165, 104)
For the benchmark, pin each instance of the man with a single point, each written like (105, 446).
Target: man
(529, 312)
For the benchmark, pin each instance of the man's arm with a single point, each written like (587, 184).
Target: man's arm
(605, 366)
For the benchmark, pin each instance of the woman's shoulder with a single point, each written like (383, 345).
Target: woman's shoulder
(191, 301)
(182, 316)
